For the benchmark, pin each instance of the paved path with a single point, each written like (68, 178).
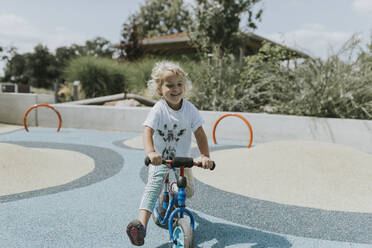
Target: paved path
(93, 208)
(5, 128)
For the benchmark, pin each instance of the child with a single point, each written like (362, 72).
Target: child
(167, 134)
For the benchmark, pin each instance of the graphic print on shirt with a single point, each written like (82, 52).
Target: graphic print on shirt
(170, 137)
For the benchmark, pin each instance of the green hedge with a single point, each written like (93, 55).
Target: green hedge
(265, 82)
(98, 76)
(338, 87)
(139, 72)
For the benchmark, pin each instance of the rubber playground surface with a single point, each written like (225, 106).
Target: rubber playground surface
(80, 188)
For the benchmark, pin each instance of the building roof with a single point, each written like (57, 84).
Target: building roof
(260, 39)
(181, 41)
(170, 37)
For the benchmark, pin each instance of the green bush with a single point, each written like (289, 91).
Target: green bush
(216, 83)
(336, 87)
(271, 81)
(98, 76)
(332, 88)
(274, 81)
(267, 80)
(139, 72)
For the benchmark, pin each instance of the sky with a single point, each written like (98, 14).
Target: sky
(315, 27)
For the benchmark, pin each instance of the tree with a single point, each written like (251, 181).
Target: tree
(38, 69)
(161, 17)
(65, 54)
(98, 76)
(98, 47)
(15, 69)
(156, 17)
(216, 23)
(7, 52)
(130, 45)
(41, 68)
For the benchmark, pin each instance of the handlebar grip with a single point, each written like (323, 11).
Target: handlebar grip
(214, 166)
(199, 164)
(147, 161)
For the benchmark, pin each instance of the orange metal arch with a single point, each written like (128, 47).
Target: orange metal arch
(41, 105)
(241, 117)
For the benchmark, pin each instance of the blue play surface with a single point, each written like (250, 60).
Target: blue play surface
(93, 210)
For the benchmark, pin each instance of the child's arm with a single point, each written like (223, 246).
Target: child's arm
(201, 139)
(148, 144)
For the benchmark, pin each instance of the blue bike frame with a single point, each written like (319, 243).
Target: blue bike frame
(181, 197)
(181, 210)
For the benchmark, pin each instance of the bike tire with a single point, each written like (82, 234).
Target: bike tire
(156, 219)
(183, 234)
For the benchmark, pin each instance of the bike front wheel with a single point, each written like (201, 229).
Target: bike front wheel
(183, 234)
(159, 211)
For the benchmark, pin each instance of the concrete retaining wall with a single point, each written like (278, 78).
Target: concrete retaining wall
(14, 105)
(356, 133)
(127, 119)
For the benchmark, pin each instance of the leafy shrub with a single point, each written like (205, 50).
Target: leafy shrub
(98, 76)
(267, 80)
(332, 88)
(217, 83)
(66, 92)
(274, 81)
(139, 72)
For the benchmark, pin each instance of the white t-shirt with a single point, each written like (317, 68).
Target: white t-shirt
(173, 128)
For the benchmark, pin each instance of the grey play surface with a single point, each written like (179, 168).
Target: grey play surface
(94, 209)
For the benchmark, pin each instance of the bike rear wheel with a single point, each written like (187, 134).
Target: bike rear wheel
(183, 234)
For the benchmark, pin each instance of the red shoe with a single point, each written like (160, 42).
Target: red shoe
(136, 232)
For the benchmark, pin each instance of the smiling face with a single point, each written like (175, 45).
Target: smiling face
(173, 90)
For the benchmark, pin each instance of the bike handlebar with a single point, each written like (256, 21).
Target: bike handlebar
(180, 161)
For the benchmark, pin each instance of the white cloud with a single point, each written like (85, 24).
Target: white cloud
(314, 40)
(17, 31)
(363, 7)
(9, 23)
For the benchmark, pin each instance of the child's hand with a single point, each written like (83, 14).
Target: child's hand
(155, 158)
(207, 163)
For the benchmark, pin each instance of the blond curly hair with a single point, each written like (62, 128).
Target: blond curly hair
(158, 74)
